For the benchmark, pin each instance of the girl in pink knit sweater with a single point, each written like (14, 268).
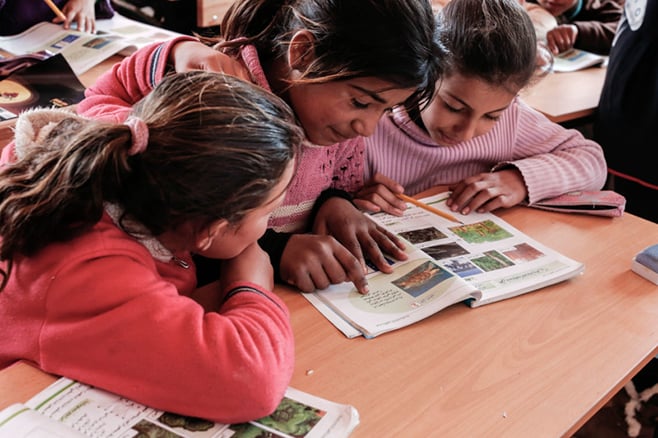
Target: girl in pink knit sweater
(477, 136)
(98, 222)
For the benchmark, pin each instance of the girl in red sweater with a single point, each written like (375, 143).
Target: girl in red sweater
(98, 222)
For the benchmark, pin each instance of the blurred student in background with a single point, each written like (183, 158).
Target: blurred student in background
(18, 15)
(542, 20)
(582, 24)
(476, 135)
(626, 124)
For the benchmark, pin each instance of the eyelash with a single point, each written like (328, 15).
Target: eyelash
(359, 105)
(451, 108)
(455, 110)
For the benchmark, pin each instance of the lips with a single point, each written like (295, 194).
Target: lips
(340, 137)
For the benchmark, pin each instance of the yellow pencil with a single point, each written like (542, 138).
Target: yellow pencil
(429, 208)
(55, 9)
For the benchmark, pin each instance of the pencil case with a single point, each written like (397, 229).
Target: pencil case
(597, 202)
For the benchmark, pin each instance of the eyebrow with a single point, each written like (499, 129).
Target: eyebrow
(372, 94)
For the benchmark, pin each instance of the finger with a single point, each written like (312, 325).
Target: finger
(366, 205)
(491, 205)
(303, 281)
(353, 247)
(391, 244)
(353, 270)
(376, 255)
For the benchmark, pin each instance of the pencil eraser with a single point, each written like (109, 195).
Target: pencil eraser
(645, 263)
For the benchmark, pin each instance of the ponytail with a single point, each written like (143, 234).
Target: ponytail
(55, 191)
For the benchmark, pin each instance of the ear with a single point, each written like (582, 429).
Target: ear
(206, 236)
(301, 51)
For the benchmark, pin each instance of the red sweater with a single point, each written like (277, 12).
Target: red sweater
(104, 310)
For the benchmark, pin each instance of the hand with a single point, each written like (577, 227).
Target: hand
(380, 195)
(561, 38)
(252, 265)
(488, 191)
(81, 12)
(337, 217)
(312, 262)
(194, 55)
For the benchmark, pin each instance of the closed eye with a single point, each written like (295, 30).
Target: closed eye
(452, 109)
(359, 105)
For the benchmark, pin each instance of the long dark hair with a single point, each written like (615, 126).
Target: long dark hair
(394, 40)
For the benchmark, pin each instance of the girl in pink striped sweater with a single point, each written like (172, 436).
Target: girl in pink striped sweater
(340, 65)
(477, 136)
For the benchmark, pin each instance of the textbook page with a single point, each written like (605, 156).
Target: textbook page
(487, 252)
(480, 260)
(118, 35)
(417, 288)
(18, 421)
(73, 409)
(137, 33)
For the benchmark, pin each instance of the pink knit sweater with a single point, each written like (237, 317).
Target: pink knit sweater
(553, 160)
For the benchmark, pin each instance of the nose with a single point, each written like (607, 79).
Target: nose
(466, 130)
(365, 125)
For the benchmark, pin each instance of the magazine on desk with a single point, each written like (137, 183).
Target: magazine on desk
(48, 83)
(479, 261)
(71, 409)
(118, 35)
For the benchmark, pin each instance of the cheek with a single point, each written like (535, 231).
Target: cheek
(435, 117)
(484, 127)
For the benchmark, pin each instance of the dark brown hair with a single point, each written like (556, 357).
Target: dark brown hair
(493, 40)
(394, 40)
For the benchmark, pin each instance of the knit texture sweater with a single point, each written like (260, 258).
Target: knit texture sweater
(553, 160)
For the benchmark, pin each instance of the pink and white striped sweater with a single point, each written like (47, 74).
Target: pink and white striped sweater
(553, 160)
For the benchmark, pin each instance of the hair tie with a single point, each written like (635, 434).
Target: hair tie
(140, 134)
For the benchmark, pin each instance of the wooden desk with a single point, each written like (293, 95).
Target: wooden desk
(567, 97)
(537, 365)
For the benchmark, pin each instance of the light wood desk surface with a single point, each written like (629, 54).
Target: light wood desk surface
(537, 365)
(565, 97)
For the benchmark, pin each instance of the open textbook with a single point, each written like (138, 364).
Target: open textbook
(576, 59)
(118, 35)
(481, 260)
(71, 409)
